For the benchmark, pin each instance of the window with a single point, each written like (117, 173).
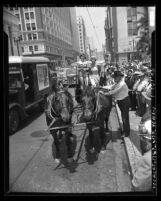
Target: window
(11, 8)
(29, 36)
(16, 8)
(22, 49)
(19, 26)
(30, 48)
(33, 26)
(34, 36)
(28, 26)
(27, 16)
(36, 47)
(21, 38)
(32, 15)
(18, 16)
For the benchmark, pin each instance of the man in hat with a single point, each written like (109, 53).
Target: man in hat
(144, 81)
(129, 82)
(120, 92)
(142, 173)
(146, 98)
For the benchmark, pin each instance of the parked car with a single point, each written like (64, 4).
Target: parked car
(29, 84)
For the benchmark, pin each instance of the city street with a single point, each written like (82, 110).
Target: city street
(32, 168)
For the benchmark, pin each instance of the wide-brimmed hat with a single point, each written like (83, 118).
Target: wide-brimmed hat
(147, 94)
(118, 73)
(138, 73)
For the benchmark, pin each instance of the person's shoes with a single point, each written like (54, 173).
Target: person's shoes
(70, 160)
(92, 150)
(103, 149)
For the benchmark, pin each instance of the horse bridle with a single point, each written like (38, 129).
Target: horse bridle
(56, 114)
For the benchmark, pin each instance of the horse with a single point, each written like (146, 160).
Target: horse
(96, 107)
(59, 113)
(82, 81)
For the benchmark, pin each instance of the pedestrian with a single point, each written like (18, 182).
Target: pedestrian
(120, 92)
(146, 97)
(128, 81)
(142, 173)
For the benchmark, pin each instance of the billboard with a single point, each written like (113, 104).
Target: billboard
(42, 76)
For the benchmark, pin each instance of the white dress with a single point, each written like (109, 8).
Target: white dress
(94, 77)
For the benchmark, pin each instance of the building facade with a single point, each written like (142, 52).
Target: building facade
(82, 35)
(74, 32)
(121, 31)
(48, 31)
(11, 28)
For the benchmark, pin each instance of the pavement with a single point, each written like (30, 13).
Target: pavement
(132, 143)
(32, 168)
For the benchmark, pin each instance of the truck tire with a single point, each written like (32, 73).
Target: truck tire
(14, 120)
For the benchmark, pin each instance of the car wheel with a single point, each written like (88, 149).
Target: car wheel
(14, 121)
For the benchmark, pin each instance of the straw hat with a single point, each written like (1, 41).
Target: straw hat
(138, 73)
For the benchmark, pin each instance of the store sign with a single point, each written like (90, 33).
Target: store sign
(42, 76)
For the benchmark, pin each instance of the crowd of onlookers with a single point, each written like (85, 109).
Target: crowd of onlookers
(138, 79)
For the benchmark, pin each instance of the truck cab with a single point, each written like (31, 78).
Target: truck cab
(29, 84)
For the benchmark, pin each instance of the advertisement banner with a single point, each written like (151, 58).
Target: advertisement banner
(42, 75)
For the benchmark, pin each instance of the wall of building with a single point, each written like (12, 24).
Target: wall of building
(10, 27)
(75, 36)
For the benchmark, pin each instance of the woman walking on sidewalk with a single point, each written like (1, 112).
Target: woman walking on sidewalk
(120, 92)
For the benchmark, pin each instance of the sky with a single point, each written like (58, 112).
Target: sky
(98, 15)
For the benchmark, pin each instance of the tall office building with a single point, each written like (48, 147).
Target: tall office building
(74, 32)
(82, 35)
(121, 31)
(11, 28)
(47, 31)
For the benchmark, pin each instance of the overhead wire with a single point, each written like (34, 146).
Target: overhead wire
(93, 26)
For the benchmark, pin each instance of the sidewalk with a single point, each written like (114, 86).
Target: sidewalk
(132, 143)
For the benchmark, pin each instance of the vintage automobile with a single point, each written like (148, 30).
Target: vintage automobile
(29, 84)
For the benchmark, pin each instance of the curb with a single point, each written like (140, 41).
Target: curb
(132, 151)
